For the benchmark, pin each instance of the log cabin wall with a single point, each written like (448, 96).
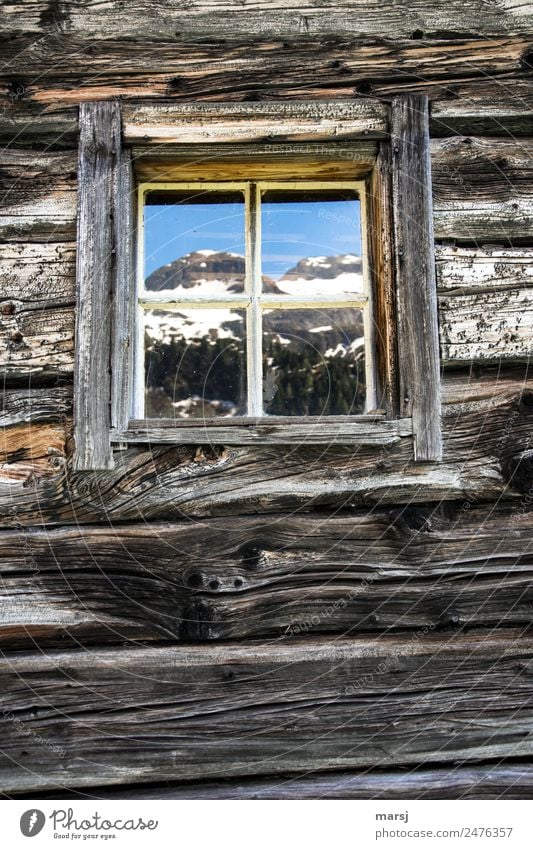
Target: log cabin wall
(255, 615)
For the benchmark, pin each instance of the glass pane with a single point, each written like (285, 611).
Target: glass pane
(311, 243)
(313, 362)
(194, 242)
(195, 363)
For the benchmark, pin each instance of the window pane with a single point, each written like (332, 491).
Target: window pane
(311, 243)
(195, 363)
(194, 242)
(313, 362)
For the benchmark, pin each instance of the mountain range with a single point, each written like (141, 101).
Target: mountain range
(213, 273)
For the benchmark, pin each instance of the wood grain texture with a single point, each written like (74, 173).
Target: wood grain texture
(367, 432)
(46, 404)
(495, 325)
(286, 576)
(465, 106)
(416, 297)
(123, 291)
(38, 196)
(36, 343)
(482, 270)
(505, 780)
(483, 189)
(481, 106)
(229, 20)
(481, 435)
(270, 161)
(95, 263)
(258, 122)
(68, 69)
(381, 260)
(485, 303)
(130, 715)
(36, 274)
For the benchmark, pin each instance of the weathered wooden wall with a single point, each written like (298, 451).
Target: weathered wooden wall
(377, 588)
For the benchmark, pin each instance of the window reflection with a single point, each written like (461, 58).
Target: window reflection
(194, 242)
(195, 363)
(313, 362)
(311, 242)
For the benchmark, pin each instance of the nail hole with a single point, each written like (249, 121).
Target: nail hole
(195, 580)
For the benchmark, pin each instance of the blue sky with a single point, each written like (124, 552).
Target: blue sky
(290, 231)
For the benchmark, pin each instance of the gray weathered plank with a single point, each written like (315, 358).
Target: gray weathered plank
(99, 148)
(281, 576)
(36, 343)
(321, 431)
(47, 404)
(487, 326)
(468, 271)
(125, 715)
(483, 189)
(70, 69)
(485, 303)
(465, 106)
(506, 780)
(418, 341)
(475, 107)
(177, 481)
(123, 329)
(197, 123)
(229, 20)
(40, 275)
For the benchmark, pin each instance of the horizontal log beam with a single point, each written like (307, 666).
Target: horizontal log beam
(485, 303)
(38, 196)
(481, 438)
(367, 432)
(243, 577)
(492, 781)
(238, 123)
(482, 270)
(69, 69)
(228, 20)
(36, 342)
(38, 275)
(205, 713)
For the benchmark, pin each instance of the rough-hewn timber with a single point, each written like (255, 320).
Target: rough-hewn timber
(416, 293)
(229, 20)
(486, 307)
(331, 563)
(112, 716)
(67, 69)
(501, 780)
(419, 567)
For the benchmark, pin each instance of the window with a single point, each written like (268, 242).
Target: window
(253, 300)
(274, 284)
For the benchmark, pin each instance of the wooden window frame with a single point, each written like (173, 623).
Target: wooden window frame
(400, 247)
